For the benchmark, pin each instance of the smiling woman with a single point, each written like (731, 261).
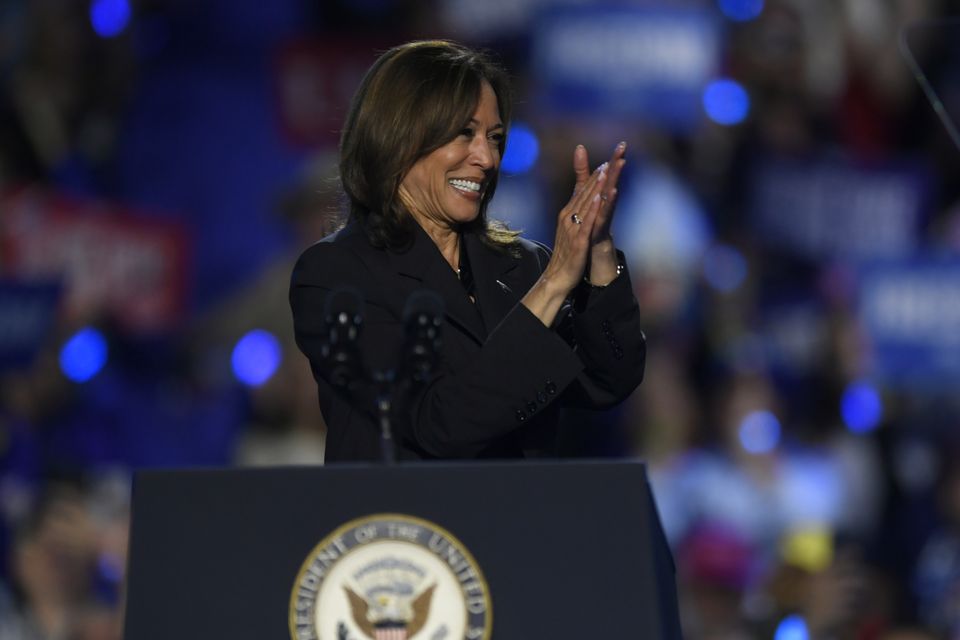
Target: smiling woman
(445, 188)
(417, 99)
(420, 158)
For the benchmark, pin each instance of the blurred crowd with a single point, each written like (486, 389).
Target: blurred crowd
(791, 514)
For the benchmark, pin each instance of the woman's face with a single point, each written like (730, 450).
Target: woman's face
(445, 187)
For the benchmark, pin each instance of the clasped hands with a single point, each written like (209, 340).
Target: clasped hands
(583, 226)
(583, 230)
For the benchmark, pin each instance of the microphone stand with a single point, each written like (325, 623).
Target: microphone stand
(422, 320)
(385, 388)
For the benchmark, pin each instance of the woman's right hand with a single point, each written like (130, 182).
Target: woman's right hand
(574, 229)
(565, 269)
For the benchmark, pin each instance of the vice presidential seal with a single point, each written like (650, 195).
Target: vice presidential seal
(390, 577)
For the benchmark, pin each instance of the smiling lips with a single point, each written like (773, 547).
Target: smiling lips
(469, 188)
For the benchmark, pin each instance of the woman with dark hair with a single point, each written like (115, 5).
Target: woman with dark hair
(525, 330)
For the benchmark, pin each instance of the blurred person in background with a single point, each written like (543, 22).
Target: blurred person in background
(936, 578)
(67, 564)
(420, 155)
(63, 91)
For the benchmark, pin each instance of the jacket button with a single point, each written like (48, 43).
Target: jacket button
(605, 325)
(617, 352)
(551, 388)
(521, 416)
(541, 397)
(532, 407)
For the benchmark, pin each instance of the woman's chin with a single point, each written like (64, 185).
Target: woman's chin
(454, 217)
(463, 213)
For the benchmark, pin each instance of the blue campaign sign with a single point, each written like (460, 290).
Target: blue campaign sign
(830, 208)
(911, 313)
(648, 62)
(27, 313)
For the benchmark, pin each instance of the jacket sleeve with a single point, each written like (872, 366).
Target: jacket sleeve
(607, 337)
(458, 413)
(461, 412)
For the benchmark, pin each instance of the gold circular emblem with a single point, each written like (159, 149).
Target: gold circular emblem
(390, 577)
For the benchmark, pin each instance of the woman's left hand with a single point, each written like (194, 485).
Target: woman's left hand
(603, 259)
(581, 168)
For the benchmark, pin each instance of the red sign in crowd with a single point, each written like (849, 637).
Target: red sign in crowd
(110, 259)
(315, 81)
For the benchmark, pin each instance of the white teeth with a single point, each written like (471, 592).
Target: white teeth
(466, 185)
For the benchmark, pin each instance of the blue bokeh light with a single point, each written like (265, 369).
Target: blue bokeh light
(792, 627)
(759, 432)
(522, 151)
(109, 17)
(256, 357)
(726, 102)
(83, 355)
(724, 268)
(741, 10)
(861, 407)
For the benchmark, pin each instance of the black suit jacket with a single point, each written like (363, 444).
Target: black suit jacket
(502, 374)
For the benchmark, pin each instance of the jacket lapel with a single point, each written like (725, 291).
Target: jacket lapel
(421, 266)
(497, 291)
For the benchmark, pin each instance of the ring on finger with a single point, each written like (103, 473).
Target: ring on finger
(604, 197)
(576, 218)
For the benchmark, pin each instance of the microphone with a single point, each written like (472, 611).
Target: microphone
(340, 351)
(422, 320)
(343, 320)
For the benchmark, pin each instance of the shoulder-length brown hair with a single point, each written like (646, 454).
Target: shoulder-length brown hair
(414, 99)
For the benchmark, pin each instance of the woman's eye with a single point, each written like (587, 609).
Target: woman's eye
(496, 137)
(468, 132)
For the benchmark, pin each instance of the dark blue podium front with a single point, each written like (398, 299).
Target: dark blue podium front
(568, 549)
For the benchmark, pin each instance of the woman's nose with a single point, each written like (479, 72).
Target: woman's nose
(482, 153)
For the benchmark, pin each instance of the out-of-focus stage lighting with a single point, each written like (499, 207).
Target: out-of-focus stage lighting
(759, 432)
(109, 17)
(523, 149)
(726, 102)
(861, 407)
(83, 355)
(792, 628)
(256, 357)
(724, 268)
(741, 10)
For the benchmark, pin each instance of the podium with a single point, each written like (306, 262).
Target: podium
(558, 549)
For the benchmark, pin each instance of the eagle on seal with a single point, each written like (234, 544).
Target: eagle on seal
(372, 621)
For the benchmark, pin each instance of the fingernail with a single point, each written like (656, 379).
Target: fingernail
(580, 146)
(622, 145)
(603, 167)
(596, 198)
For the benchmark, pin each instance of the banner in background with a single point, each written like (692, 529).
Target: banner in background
(111, 260)
(828, 208)
(911, 313)
(315, 81)
(646, 62)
